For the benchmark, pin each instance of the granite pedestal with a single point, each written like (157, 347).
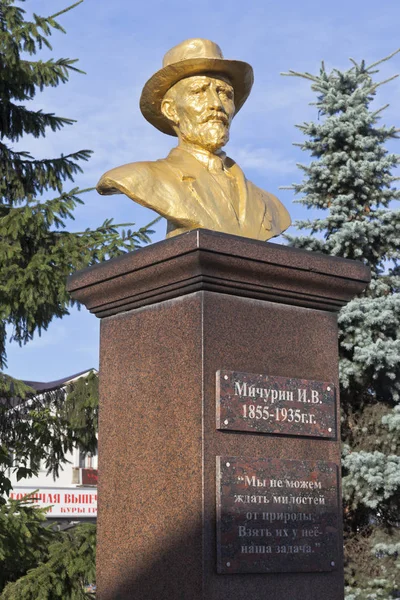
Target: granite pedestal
(172, 315)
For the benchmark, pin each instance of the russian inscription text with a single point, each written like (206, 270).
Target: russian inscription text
(269, 508)
(279, 405)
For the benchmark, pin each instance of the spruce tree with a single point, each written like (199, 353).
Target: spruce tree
(24, 539)
(351, 177)
(37, 560)
(41, 563)
(38, 250)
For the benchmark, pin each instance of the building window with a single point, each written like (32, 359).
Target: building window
(87, 461)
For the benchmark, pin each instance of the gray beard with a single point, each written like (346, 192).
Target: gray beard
(209, 136)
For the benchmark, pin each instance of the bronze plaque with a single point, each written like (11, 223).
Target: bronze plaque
(278, 405)
(276, 515)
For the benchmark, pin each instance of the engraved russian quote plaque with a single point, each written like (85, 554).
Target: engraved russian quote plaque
(278, 405)
(276, 515)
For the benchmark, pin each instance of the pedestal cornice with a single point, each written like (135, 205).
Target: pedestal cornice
(203, 260)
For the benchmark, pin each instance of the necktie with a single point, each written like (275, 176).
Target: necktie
(225, 181)
(215, 164)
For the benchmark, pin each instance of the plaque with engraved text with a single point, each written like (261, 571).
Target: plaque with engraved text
(278, 405)
(276, 515)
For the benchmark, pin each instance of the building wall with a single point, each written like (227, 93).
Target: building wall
(72, 495)
(68, 496)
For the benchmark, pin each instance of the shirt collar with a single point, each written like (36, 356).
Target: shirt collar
(202, 155)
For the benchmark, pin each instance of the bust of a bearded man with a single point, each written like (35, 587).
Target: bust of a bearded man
(195, 97)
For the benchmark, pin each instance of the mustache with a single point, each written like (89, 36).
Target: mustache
(216, 116)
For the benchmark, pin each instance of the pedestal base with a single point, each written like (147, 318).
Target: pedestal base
(158, 439)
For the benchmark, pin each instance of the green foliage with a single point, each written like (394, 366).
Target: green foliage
(40, 429)
(80, 411)
(37, 253)
(41, 563)
(373, 572)
(351, 178)
(373, 477)
(23, 539)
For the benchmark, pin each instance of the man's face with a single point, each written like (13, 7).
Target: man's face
(202, 108)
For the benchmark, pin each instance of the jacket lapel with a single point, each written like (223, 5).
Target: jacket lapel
(201, 186)
(190, 173)
(241, 182)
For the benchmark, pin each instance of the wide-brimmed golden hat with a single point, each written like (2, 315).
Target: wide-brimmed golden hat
(192, 57)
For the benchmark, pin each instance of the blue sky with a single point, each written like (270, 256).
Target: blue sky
(120, 44)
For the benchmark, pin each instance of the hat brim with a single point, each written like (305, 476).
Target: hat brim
(239, 73)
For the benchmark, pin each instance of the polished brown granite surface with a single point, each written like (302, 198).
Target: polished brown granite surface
(209, 261)
(203, 302)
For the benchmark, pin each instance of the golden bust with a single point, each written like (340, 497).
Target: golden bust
(195, 97)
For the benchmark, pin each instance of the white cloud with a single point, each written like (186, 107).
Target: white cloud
(264, 160)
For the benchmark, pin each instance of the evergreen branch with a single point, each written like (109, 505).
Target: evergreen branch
(70, 561)
(28, 160)
(50, 209)
(108, 224)
(376, 85)
(85, 190)
(374, 114)
(16, 155)
(24, 177)
(61, 12)
(45, 23)
(27, 76)
(10, 388)
(59, 68)
(382, 60)
(25, 34)
(303, 75)
(17, 120)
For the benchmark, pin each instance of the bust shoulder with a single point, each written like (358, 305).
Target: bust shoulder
(276, 216)
(150, 183)
(126, 176)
